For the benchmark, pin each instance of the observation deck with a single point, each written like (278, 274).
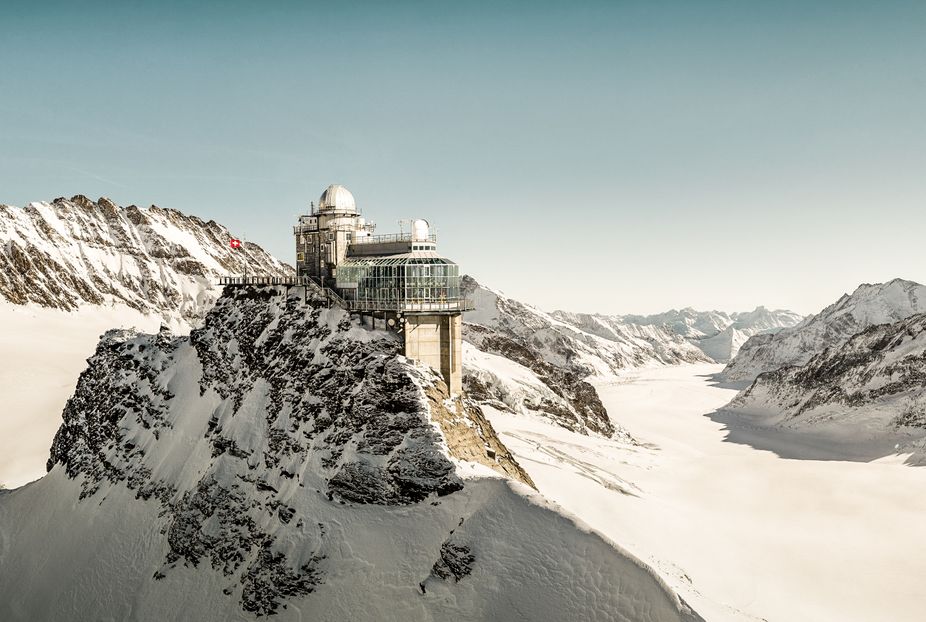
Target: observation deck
(399, 298)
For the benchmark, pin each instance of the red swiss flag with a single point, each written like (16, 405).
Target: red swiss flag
(235, 243)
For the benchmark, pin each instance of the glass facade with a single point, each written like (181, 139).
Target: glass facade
(401, 284)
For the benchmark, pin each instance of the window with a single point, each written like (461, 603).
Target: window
(404, 284)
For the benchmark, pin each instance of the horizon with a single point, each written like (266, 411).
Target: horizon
(631, 159)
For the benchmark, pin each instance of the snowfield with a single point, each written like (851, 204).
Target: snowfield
(531, 561)
(741, 534)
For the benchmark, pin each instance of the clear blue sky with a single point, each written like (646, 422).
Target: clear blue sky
(613, 157)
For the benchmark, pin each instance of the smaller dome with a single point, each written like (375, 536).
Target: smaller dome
(420, 230)
(337, 198)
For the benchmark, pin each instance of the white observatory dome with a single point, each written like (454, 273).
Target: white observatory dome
(420, 230)
(337, 198)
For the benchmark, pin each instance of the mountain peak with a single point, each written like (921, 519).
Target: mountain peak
(878, 288)
(869, 305)
(73, 252)
(284, 460)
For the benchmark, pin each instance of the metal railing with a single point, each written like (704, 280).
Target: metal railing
(264, 280)
(330, 296)
(408, 306)
(333, 298)
(392, 237)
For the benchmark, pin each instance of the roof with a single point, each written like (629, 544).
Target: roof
(414, 258)
(337, 198)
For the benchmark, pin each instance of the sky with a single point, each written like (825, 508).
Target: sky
(616, 157)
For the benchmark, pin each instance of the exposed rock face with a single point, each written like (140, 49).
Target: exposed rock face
(868, 305)
(569, 401)
(456, 561)
(470, 436)
(284, 460)
(876, 381)
(74, 252)
(526, 360)
(330, 395)
(716, 333)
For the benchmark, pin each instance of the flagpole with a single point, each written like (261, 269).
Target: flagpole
(235, 243)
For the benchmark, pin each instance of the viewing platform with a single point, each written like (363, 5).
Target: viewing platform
(330, 296)
(266, 280)
(389, 299)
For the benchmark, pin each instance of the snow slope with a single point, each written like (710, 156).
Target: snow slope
(882, 303)
(718, 334)
(283, 460)
(871, 386)
(73, 269)
(549, 358)
(743, 535)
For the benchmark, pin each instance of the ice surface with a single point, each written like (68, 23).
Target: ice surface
(741, 534)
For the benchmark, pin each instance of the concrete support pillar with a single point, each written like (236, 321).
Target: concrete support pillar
(437, 340)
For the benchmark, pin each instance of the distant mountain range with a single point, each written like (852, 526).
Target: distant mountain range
(857, 368)
(718, 334)
(868, 305)
(526, 360)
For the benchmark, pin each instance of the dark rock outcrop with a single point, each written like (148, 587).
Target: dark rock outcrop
(288, 393)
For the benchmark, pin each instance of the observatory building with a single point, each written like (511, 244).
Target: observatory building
(398, 278)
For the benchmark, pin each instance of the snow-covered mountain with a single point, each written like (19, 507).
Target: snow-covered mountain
(718, 334)
(868, 305)
(874, 383)
(75, 252)
(521, 359)
(283, 460)
(73, 269)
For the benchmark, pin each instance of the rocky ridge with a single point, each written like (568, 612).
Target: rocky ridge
(75, 252)
(875, 381)
(868, 305)
(282, 460)
(521, 359)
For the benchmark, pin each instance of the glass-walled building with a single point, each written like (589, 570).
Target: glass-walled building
(401, 284)
(398, 278)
